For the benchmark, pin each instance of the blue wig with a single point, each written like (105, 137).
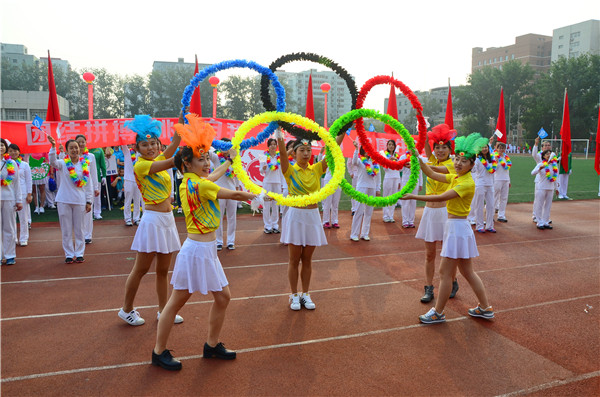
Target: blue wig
(144, 127)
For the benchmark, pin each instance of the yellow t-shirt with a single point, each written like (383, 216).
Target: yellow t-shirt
(434, 187)
(156, 187)
(200, 204)
(301, 182)
(465, 187)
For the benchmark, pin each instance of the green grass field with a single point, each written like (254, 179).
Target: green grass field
(583, 184)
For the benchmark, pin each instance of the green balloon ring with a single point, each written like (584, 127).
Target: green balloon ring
(410, 145)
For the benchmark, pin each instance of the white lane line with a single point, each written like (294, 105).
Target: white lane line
(299, 343)
(549, 385)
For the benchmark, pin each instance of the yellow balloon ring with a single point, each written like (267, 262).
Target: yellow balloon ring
(292, 201)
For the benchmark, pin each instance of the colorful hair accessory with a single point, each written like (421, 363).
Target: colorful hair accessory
(238, 63)
(360, 128)
(371, 167)
(85, 172)
(273, 164)
(334, 151)
(469, 146)
(551, 168)
(441, 134)
(10, 170)
(296, 131)
(145, 127)
(197, 133)
(410, 144)
(223, 157)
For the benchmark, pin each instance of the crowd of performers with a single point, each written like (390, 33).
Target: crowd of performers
(464, 175)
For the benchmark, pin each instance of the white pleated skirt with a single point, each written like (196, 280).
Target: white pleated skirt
(301, 226)
(156, 233)
(459, 240)
(197, 268)
(433, 222)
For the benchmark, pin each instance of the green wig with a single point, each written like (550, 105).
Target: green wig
(469, 146)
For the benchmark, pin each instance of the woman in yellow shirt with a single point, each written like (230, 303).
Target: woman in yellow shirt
(157, 234)
(197, 267)
(459, 244)
(301, 227)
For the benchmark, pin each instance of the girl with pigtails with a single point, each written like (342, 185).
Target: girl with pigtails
(157, 234)
(459, 245)
(197, 267)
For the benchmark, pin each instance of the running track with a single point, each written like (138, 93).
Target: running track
(61, 334)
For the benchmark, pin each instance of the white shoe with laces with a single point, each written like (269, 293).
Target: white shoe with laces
(295, 302)
(178, 318)
(307, 302)
(131, 318)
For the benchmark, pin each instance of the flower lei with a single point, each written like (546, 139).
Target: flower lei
(292, 160)
(360, 127)
(133, 156)
(273, 166)
(334, 152)
(371, 167)
(238, 63)
(504, 161)
(296, 131)
(410, 144)
(392, 156)
(10, 170)
(222, 159)
(551, 175)
(85, 172)
(490, 167)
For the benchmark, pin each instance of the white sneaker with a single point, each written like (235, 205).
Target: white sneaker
(295, 302)
(131, 318)
(178, 318)
(354, 238)
(307, 302)
(128, 223)
(366, 238)
(23, 243)
(37, 210)
(180, 210)
(41, 210)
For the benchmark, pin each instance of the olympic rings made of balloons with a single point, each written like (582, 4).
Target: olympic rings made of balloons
(337, 158)
(360, 128)
(306, 56)
(237, 63)
(410, 144)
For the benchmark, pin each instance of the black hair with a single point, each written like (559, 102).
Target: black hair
(362, 152)
(288, 144)
(5, 144)
(545, 152)
(487, 156)
(271, 140)
(69, 141)
(301, 142)
(388, 142)
(14, 146)
(80, 136)
(226, 139)
(184, 154)
(447, 144)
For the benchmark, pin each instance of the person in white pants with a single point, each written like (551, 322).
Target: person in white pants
(483, 172)
(369, 182)
(546, 175)
(88, 219)
(537, 156)
(11, 200)
(331, 204)
(391, 181)
(132, 192)
(26, 193)
(74, 198)
(227, 181)
(353, 172)
(501, 179)
(409, 207)
(270, 167)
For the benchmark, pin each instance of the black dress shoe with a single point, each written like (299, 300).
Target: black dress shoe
(88, 240)
(541, 227)
(166, 360)
(454, 289)
(428, 297)
(547, 226)
(218, 351)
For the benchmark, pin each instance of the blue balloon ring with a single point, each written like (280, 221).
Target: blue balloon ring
(237, 63)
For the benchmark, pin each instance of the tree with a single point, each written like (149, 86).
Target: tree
(544, 108)
(136, 96)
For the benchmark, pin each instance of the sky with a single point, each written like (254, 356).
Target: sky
(423, 43)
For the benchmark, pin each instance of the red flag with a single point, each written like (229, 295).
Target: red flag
(565, 134)
(597, 157)
(53, 113)
(392, 110)
(195, 104)
(501, 123)
(449, 121)
(310, 107)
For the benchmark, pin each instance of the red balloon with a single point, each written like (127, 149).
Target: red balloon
(325, 87)
(89, 77)
(214, 80)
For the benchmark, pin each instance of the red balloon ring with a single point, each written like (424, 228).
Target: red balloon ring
(360, 127)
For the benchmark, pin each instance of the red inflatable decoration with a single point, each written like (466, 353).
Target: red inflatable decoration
(360, 127)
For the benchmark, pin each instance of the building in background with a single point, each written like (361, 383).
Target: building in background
(24, 105)
(531, 49)
(574, 40)
(161, 66)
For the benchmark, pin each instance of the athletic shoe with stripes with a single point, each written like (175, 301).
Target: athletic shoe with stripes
(131, 318)
(488, 312)
(432, 317)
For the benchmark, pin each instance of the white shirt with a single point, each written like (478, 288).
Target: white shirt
(224, 181)
(25, 179)
(540, 176)
(406, 176)
(128, 175)
(481, 176)
(389, 173)
(501, 174)
(270, 175)
(68, 193)
(111, 165)
(365, 180)
(12, 191)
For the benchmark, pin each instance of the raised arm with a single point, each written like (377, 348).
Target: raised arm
(431, 173)
(283, 154)
(220, 170)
